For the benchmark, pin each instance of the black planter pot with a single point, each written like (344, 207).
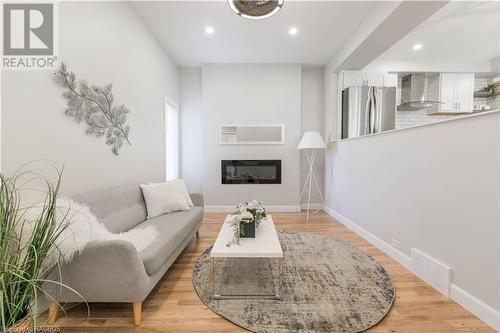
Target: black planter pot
(247, 230)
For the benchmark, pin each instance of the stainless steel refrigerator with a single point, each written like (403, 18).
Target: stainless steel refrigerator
(368, 110)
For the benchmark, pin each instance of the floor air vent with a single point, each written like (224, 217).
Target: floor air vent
(435, 273)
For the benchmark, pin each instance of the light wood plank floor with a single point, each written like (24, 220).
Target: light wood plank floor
(173, 306)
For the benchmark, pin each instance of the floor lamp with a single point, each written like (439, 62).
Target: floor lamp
(311, 141)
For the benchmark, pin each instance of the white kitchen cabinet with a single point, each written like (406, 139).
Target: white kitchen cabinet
(357, 78)
(353, 79)
(465, 92)
(390, 80)
(448, 92)
(455, 91)
(374, 79)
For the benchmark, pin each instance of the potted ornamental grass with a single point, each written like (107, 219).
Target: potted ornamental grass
(29, 236)
(246, 219)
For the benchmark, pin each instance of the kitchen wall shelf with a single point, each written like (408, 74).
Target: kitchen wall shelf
(480, 94)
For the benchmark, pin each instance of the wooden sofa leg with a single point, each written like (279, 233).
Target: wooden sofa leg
(198, 234)
(53, 307)
(137, 313)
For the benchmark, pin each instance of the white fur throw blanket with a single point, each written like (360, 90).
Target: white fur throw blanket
(83, 228)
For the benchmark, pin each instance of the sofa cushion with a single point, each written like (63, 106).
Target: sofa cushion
(118, 208)
(172, 228)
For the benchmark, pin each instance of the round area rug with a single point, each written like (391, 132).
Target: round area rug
(327, 285)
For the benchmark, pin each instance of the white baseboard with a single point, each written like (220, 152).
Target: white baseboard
(388, 249)
(275, 209)
(477, 307)
(312, 206)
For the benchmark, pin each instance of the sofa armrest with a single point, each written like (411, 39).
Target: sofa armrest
(197, 199)
(105, 271)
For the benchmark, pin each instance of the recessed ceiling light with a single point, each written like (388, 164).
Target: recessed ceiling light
(209, 30)
(417, 47)
(293, 31)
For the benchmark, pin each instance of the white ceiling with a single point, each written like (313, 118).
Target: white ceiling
(323, 27)
(462, 36)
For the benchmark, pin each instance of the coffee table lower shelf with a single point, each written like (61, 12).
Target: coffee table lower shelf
(276, 295)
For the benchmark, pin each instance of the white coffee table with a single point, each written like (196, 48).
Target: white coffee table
(265, 245)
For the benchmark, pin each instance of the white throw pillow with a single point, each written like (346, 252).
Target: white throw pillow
(164, 198)
(186, 193)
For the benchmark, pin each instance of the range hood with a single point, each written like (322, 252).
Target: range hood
(413, 95)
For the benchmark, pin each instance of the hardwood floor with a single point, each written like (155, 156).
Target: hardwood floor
(173, 305)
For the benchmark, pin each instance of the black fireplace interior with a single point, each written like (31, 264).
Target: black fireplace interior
(251, 171)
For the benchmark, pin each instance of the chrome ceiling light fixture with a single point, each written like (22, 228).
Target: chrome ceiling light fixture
(255, 9)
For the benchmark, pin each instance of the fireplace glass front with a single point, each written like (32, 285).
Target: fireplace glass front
(251, 172)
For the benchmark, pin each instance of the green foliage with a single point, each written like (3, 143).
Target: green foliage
(23, 265)
(235, 222)
(490, 89)
(258, 215)
(94, 105)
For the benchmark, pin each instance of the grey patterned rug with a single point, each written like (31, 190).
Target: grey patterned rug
(327, 286)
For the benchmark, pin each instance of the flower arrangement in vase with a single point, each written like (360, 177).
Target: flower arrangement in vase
(246, 219)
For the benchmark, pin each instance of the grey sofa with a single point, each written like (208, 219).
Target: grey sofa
(113, 271)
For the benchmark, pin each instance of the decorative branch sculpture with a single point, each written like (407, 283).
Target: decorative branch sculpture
(94, 105)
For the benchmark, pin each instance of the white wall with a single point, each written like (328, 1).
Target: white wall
(434, 188)
(251, 94)
(190, 91)
(312, 120)
(330, 130)
(103, 42)
(191, 127)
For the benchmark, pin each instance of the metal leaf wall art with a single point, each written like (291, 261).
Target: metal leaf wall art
(94, 106)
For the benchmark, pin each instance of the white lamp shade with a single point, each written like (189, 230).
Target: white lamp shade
(311, 140)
